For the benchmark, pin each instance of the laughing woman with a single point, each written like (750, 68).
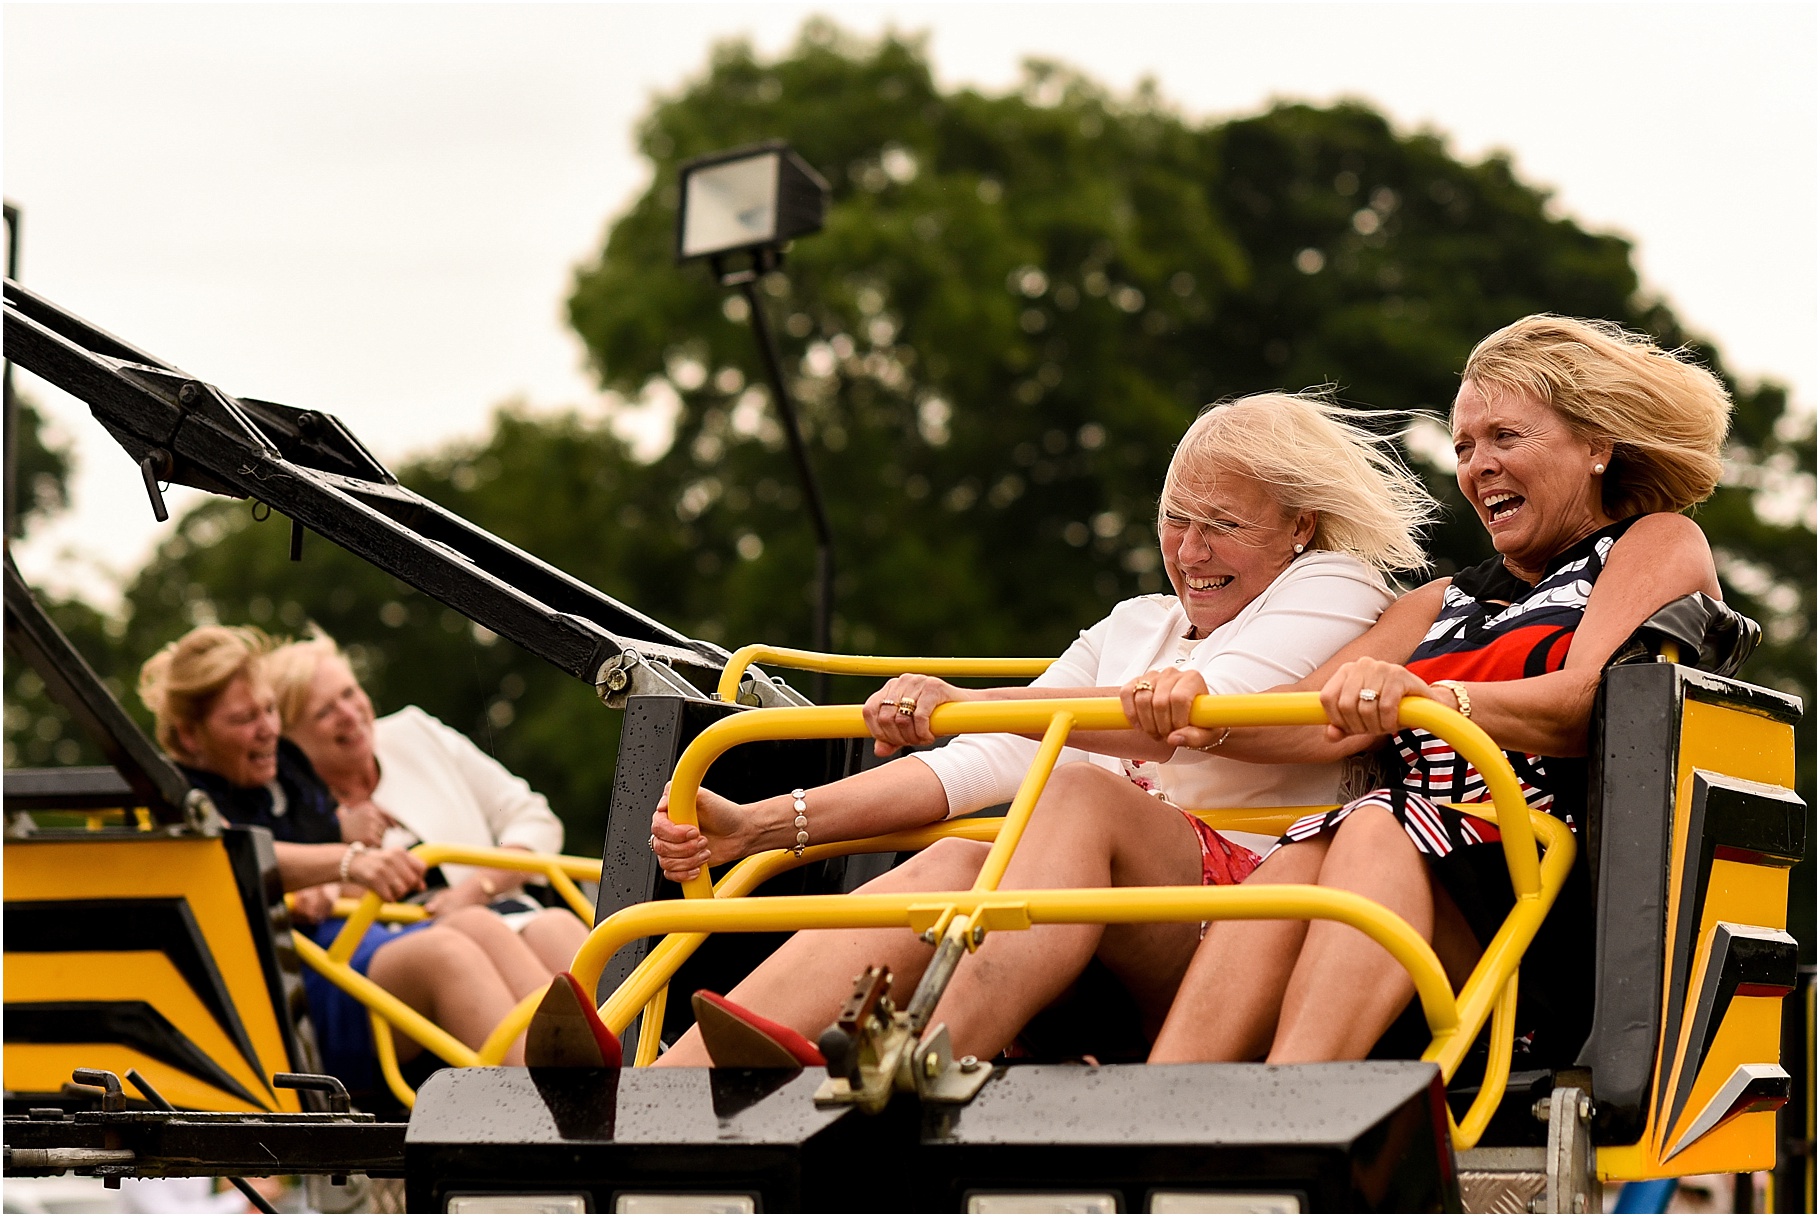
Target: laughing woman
(1278, 520)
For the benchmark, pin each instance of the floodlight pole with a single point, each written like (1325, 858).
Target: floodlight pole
(746, 279)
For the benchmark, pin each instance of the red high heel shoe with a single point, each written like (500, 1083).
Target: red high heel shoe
(736, 1038)
(566, 1031)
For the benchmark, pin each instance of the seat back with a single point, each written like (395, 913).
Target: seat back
(1693, 826)
(157, 951)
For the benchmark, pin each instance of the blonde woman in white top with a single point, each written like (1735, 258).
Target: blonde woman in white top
(1278, 522)
(407, 778)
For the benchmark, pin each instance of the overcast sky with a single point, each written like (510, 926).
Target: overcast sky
(376, 210)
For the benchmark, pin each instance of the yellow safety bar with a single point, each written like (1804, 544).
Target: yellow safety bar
(866, 665)
(1453, 1021)
(386, 1011)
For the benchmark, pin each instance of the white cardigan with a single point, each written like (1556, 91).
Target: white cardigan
(1320, 603)
(440, 787)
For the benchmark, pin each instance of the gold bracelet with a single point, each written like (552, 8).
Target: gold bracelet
(1460, 695)
(1216, 743)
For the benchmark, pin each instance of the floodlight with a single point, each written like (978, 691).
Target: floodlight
(752, 201)
(748, 199)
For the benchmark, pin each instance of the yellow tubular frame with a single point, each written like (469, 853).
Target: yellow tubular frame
(866, 665)
(386, 1011)
(1453, 1021)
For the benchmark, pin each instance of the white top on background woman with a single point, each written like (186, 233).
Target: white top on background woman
(438, 786)
(408, 778)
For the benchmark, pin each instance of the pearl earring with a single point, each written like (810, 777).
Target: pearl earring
(1299, 548)
(1599, 468)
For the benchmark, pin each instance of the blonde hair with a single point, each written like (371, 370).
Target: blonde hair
(1664, 415)
(180, 683)
(1312, 455)
(293, 666)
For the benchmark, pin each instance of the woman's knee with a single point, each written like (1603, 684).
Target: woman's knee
(480, 924)
(1371, 832)
(952, 862)
(556, 921)
(1295, 862)
(1082, 793)
(427, 955)
(555, 926)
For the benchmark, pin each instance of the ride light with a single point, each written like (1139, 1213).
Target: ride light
(1042, 1202)
(1225, 1202)
(685, 1202)
(746, 199)
(518, 1202)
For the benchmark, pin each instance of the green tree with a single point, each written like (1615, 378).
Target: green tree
(38, 730)
(41, 468)
(1016, 306)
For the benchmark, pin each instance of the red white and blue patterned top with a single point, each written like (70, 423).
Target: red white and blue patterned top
(1492, 626)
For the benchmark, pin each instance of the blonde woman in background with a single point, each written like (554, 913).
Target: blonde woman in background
(217, 717)
(407, 778)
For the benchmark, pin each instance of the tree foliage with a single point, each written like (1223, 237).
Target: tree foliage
(1016, 306)
(41, 468)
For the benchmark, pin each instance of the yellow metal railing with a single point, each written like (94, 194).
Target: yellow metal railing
(1454, 1021)
(866, 665)
(386, 1011)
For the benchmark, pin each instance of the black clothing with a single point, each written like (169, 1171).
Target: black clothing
(295, 806)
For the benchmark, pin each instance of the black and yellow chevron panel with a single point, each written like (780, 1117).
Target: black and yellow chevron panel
(146, 952)
(1736, 828)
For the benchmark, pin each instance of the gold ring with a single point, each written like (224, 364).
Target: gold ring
(1142, 686)
(1368, 695)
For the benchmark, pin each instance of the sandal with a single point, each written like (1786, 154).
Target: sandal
(566, 1031)
(736, 1038)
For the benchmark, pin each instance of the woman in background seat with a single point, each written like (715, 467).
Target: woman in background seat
(407, 778)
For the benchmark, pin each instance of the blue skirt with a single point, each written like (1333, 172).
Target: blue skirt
(343, 1034)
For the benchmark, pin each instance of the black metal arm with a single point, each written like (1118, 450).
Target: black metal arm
(309, 466)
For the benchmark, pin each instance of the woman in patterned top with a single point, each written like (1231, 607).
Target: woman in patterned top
(1578, 446)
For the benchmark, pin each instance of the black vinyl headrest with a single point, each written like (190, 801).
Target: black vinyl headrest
(1710, 635)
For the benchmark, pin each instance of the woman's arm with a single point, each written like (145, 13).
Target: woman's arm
(901, 794)
(1662, 558)
(1171, 699)
(392, 873)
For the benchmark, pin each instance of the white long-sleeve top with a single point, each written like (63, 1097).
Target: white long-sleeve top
(440, 787)
(1321, 602)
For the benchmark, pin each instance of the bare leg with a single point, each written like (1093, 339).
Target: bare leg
(514, 961)
(804, 981)
(1226, 1009)
(446, 977)
(1340, 968)
(554, 936)
(1093, 828)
